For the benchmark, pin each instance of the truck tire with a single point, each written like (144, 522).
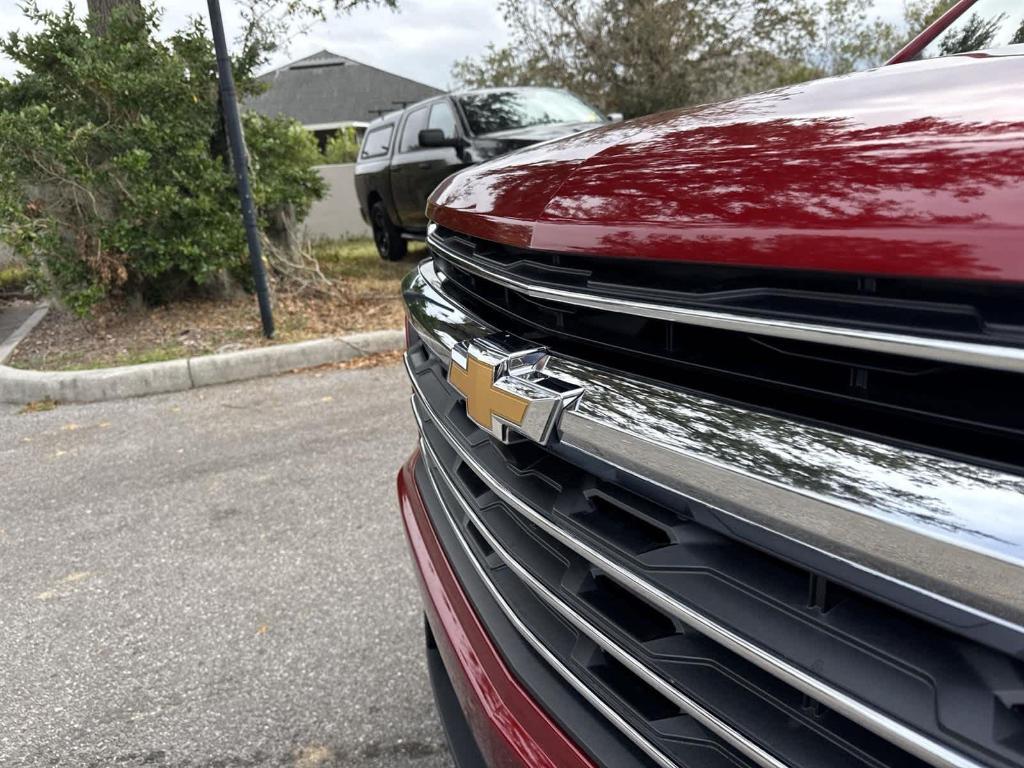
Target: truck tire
(386, 236)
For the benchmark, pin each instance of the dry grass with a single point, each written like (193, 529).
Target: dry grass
(366, 298)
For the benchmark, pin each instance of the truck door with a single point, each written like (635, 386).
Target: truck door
(416, 170)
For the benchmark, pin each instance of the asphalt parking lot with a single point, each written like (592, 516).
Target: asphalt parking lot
(213, 579)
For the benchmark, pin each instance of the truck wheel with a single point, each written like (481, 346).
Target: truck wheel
(386, 236)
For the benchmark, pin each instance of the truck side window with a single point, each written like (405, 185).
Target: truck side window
(442, 117)
(414, 123)
(377, 141)
(988, 25)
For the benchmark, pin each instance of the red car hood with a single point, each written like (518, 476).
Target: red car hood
(911, 169)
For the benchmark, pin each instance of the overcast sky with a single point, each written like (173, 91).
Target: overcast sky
(421, 41)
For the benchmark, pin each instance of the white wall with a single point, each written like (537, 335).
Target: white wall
(337, 215)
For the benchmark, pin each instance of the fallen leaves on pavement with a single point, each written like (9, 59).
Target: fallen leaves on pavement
(39, 406)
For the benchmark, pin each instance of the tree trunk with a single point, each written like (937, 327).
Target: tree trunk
(101, 10)
(282, 231)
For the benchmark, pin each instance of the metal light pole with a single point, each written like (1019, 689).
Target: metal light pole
(239, 161)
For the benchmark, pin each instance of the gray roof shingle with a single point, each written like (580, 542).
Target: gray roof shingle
(327, 89)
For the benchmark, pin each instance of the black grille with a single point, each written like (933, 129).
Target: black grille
(940, 684)
(985, 313)
(960, 411)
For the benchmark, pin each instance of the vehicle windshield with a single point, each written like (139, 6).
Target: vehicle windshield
(491, 111)
(988, 25)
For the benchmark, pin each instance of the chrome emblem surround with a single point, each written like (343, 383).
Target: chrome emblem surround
(507, 389)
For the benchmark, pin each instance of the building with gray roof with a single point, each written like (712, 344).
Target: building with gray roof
(326, 91)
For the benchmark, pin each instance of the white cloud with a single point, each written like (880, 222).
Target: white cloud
(891, 10)
(421, 41)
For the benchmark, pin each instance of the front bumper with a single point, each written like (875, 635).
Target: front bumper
(510, 729)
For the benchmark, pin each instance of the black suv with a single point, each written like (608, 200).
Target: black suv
(406, 154)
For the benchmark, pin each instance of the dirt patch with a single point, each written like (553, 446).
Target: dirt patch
(366, 298)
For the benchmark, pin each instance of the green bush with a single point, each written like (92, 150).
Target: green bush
(283, 154)
(343, 146)
(113, 169)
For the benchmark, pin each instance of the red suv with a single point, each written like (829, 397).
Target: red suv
(721, 450)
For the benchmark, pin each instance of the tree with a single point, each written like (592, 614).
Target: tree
(642, 56)
(976, 33)
(919, 14)
(101, 11)
(844, 37)
(112, 178)
(633, 56)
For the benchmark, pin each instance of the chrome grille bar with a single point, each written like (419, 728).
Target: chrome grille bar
(1000, 358)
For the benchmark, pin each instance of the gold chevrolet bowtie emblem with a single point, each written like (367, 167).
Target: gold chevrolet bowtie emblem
(484, 401)
(508, 388)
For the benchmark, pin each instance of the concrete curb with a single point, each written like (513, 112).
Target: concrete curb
(21, 386)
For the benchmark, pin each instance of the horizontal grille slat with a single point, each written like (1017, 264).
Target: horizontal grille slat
(978, 312)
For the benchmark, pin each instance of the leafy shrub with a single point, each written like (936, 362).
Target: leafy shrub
(283, 154)
(342, 147)
(113, 168)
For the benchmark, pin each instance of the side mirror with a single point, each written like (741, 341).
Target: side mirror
(434, 137)
(614, 117)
